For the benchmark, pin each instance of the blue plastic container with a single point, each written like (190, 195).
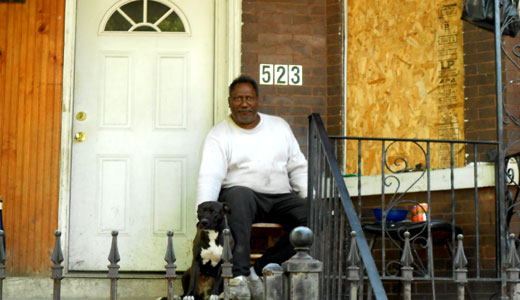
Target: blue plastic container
(394, 215)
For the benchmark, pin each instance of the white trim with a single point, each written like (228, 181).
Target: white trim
(345, 80)
(66, 125)
(227, 53)
(439, 180)
(227, 66)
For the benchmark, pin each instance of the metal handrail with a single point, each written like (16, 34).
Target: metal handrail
(317, 130)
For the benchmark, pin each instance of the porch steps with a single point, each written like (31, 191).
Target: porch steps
(88, 288)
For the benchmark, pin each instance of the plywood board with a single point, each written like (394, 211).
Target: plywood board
(405, 79)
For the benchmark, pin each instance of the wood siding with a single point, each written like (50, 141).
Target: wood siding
(31, 61)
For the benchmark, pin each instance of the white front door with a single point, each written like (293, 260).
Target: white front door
(143, 103)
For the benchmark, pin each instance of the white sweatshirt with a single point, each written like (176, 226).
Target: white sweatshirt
(266, 159)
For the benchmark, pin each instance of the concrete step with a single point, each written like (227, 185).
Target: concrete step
(88, 288)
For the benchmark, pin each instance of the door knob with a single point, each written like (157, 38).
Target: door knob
(80, 136)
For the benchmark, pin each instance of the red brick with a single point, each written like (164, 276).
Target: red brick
(309, 100)
(248, 37)
(334, 91)
(317, 10)
(479, 57)
(270, 18)
(319, 91)
(275, 59)
(470, 69)
(335, 70)
(485, 90)
(312, 40)
(487, 113)
(479, 79)
(486, 101)
(314, 80)
(486, 67)
(289, 28)
(319, 30)
(277, 100)
(249, 7)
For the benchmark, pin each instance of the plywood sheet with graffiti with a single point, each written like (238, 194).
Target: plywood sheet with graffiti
(405, 79)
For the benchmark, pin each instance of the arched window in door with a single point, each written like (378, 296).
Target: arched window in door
(144, 16)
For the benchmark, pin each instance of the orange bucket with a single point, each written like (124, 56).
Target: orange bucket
(419, 212)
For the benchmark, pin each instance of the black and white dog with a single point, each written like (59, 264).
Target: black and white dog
(203, 279)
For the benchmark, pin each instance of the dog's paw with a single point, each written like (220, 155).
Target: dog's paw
(188, 298)
(213, 297)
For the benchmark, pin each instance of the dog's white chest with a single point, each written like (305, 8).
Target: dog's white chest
(213, 253)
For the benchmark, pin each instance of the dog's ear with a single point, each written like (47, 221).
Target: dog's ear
(226, 209)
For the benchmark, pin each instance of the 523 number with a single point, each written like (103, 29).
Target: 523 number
(281, 74)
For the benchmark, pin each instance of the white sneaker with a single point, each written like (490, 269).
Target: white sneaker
(238, 288)
(256, 285)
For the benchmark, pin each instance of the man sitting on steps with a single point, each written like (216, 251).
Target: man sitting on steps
(253, 162)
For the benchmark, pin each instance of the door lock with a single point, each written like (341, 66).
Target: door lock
(80, 136)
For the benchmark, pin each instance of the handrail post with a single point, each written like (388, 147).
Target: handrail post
(227, 265)
(170, 266)
(57, 268)
(461, 271)
(113, 267)
(512, 271)
(353, 261)
(407, 269)
(500, 174)
(273, 282)
(302, 272)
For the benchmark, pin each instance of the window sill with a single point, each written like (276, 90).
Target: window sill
(463, 178)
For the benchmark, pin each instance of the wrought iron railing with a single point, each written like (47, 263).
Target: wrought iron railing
(456, 199)
(332, 219)
(453, 201)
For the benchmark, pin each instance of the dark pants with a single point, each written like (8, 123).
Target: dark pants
(248, 207)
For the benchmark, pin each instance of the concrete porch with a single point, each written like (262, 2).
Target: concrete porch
(88, 287)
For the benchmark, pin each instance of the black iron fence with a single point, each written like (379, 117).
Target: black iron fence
(333, 217)
(449, 194)
(113, 268)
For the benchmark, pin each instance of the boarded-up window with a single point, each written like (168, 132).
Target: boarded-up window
(405, 79)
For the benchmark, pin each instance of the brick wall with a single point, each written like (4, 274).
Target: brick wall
(512, 93)
(288, 32)
(479, 91)
(480, 104)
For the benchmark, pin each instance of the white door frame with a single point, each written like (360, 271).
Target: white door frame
(228, 22)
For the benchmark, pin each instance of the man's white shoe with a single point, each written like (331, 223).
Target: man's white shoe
(238, 288)
(256, 286)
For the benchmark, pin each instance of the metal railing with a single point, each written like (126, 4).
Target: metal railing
(333, 217)
(457, 206)
(113, 268)
(423, 250)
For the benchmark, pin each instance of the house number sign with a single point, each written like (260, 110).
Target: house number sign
(281, 74)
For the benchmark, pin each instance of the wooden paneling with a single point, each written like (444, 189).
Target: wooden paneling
(405, 77)
(31, 60)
